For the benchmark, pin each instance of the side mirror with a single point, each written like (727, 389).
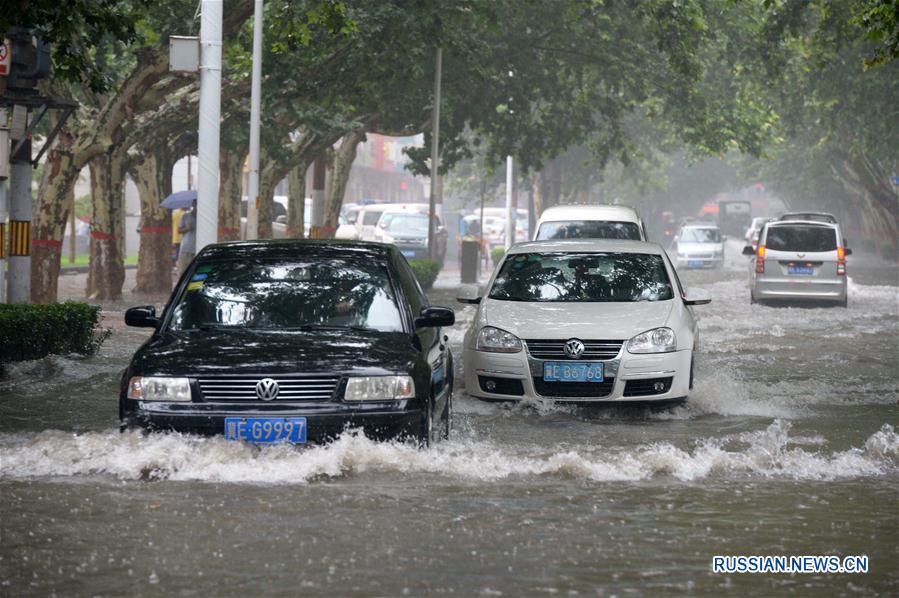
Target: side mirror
(847, 251)
(282, 219)
(697, 297)
(748, 250)
(142, 317)
(433, 317)
(724, 237)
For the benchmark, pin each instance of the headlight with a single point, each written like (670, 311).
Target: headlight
(495, 340)
(158, 388)
(657, 340)
(379, 388)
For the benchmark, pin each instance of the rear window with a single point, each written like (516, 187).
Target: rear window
(589, 229)
(801, 238)
(700, 235)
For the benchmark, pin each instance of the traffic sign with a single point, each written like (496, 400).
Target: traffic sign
(895, 179)
(5, 57)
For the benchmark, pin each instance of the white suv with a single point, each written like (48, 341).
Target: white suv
(799, 260)
(590, 222)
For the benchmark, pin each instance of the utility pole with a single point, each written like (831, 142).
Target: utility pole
(435, 158)
(481, 225)
(4, 203)
(19, 283)
(210, 117)
(255, 102)
(319, 168)
(510, 211)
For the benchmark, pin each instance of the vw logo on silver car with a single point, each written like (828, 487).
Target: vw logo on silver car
(574, 348)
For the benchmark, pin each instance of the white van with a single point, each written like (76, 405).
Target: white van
(590, 222)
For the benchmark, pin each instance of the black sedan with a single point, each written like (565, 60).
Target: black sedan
(293, 341)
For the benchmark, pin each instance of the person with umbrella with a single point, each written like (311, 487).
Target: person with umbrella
(188, 229)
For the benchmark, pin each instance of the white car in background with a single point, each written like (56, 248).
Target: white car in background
(699, 246)
(590, 222)
(583, 321)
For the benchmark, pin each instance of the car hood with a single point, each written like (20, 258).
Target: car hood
(563, 320)
(252, 352)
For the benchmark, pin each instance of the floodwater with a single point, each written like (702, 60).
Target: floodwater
(788, 446)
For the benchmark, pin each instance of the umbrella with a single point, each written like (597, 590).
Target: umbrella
(179, 200)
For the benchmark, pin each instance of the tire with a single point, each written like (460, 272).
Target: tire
(845, 302)
(426, 434)
(447, 418)
(752, 299)
(691, 375)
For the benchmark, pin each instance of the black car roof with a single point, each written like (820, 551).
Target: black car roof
(276, 248)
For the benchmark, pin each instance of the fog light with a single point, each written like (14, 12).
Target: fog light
(490, 385)
(658, 386)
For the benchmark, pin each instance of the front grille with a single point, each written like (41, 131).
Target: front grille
(647, 387)
(592, 390)
(292, 387)
(501, 386)
(555, 349)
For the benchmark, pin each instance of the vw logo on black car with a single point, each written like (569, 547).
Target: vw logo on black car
(267, 389)
(574, 348)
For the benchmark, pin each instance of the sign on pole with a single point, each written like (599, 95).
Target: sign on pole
(5, 57)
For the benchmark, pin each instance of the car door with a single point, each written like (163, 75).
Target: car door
(434, 350)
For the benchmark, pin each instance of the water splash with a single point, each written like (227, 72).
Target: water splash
(133, 456)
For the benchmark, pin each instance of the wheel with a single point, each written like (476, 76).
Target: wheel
(426, 434)
(447, 418)
(752, 300)
(691, 374)
(845, 301)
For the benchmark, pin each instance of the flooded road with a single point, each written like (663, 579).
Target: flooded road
(788, 446)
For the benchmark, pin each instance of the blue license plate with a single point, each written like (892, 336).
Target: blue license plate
(695, 263)
(408, 253)
(266, 430)
(802, 270)
(564, 371)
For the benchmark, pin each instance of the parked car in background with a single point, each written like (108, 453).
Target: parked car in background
(590, 222)
(699, 246)
(799, 260)
(408, 230)
(293, 341)
(583, 321)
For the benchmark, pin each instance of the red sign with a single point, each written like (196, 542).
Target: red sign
(5, 58)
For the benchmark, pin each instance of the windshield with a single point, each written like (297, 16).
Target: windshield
(288, 294)
(801, 238)
(588, 229)
(700, 235)
(371, 217)
(407, 223)
(584, 277)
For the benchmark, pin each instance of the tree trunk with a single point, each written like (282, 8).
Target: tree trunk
(343, 164)
(296, 201)
(866, 180)
(269, 177)
(106, 274)
(55, 199)
(154, 262)
(230, 193)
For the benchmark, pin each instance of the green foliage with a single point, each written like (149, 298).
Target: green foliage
(75, 29)
(496, 255)
(426, 272)
(34, 331)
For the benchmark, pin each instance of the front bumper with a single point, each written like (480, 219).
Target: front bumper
(324, 422)
(521, 371)
(813, 289)
(699, 262)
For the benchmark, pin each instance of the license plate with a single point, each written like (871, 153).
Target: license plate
(408, 253)
(803, 270)
(556, 371)
(266, 430)
(695, 263)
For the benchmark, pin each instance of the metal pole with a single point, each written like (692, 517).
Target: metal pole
(510, 220)
(4, 204)
(317, 218)
(210, 117)
(481, 227)
(72, 240)
(19, 282)
(435, 158)
(255, 101)
(190, 175)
